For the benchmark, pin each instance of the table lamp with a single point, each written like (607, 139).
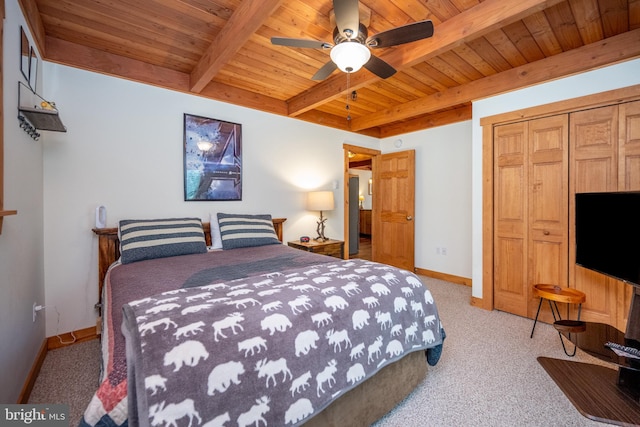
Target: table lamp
(320, 201)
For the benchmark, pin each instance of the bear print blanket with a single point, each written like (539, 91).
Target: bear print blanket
(274, 349)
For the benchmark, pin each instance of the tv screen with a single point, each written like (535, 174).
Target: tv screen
(608, 234)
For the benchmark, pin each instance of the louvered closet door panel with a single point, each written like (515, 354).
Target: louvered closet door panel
(628, 179)
(594, 151)
(548, 185)
(510, 218)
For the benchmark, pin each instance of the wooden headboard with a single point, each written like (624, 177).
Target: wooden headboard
(109, 248)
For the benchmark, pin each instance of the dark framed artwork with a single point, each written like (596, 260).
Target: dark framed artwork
(33, 69)
(212, 159)
(25, 54)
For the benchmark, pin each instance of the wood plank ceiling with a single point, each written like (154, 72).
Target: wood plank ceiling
(221, 49)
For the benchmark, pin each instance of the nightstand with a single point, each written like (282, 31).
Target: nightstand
(334, 248)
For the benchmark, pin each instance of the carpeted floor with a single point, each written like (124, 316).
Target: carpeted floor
(488, 374)
(69, 375)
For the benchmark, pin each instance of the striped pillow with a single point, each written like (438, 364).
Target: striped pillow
(160, 238)
(241, 231)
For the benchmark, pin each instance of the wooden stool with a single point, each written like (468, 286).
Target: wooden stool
(564, 295)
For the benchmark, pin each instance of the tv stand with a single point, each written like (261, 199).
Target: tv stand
(600, 393)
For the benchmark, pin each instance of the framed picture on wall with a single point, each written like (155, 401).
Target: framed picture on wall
(24, 54)
(33, 69)
(212, 159)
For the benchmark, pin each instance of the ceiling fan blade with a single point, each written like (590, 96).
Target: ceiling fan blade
(347, 17)
(313, 44)
(400, 35)
(325, 71)
(379, 67)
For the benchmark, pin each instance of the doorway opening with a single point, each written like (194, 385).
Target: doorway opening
(358, 201)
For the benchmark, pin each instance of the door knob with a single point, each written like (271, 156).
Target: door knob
(409, 217)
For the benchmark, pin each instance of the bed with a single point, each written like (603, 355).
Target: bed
(257, 333)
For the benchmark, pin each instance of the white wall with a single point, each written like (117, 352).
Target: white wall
(123, 149)
(613, 77)
(443, 196)
(21, 241)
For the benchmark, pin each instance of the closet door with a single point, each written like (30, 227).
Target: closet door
(628, 179)
(629, 143)
(594, 153)
(510, 292)
(538, 167)
(548, 210)
(530, 211)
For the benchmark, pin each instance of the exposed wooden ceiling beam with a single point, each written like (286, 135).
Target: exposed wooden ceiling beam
(83, 57)
(614, 49)
(337, 122)
(432, 120)
(468, 25)
(245, 98)
(71, 54)
(34, 21)
(245, 21)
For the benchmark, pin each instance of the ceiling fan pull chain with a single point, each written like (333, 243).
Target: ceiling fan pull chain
(348, 95)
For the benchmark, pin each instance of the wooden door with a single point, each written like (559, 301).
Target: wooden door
(510, 218)
(594, 149)
(628, 180)
(530, 211)
(629, 147)
(393, 239)
(548, 208)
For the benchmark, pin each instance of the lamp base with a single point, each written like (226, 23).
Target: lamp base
(320, 229)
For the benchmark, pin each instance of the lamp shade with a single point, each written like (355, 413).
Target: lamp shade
(350, 56)
(320, 201)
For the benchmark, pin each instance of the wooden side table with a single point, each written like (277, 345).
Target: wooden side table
(334, 248)
(556, 294)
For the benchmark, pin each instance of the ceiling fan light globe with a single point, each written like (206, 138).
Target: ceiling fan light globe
(350, 56)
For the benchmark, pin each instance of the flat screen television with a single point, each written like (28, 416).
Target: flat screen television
(608, 234)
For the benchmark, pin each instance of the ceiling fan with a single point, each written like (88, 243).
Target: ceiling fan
(351, 48)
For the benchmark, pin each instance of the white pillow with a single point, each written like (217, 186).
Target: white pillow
(216, 239)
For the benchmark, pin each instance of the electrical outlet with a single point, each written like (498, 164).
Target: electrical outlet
(443, 251)
(437, 251)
